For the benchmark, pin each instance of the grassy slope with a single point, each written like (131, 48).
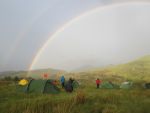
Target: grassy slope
(137, 70)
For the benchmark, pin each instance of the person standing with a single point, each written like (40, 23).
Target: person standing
(98, 82)
(69, 85)
(62, 80)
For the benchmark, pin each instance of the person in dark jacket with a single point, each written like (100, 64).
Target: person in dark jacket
(69, 85)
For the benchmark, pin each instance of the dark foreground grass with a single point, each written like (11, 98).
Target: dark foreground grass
(83, 100)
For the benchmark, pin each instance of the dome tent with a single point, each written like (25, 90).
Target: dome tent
(106, 85)
(126, 85)
(147, 85)
(75, 84)
(40, 86)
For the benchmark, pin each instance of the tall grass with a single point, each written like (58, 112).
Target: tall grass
(84, 100)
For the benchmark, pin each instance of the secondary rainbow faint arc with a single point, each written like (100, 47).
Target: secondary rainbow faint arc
(101, 8)
(21, 35)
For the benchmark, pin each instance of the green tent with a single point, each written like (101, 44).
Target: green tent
(147, 85)
(40, 86)
(75, 84)
(126, 85)
(106, 85)
(21, 88)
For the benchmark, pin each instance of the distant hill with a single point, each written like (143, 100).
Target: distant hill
(52, 73)
(13, 74)
(135, 70)
(34, 73)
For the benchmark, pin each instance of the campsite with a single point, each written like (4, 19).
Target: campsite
(85, 99)
(117, 93)
(124, 89)
(74, 56)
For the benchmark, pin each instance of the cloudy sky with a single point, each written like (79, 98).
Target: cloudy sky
(102, 37)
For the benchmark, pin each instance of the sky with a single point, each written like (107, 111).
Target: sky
(100, 38)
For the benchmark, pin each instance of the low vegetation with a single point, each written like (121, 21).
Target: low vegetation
(86, 99)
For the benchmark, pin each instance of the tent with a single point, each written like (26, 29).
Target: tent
(147, 85)
(75, 84)
(126, 85)
(40, 86)
(106, 85)
(23, 82)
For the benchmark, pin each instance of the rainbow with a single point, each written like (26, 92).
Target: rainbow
(62, 28)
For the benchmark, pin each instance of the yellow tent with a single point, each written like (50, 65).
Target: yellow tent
(23, 82)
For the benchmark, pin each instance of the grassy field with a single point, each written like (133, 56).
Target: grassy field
(86, 99)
